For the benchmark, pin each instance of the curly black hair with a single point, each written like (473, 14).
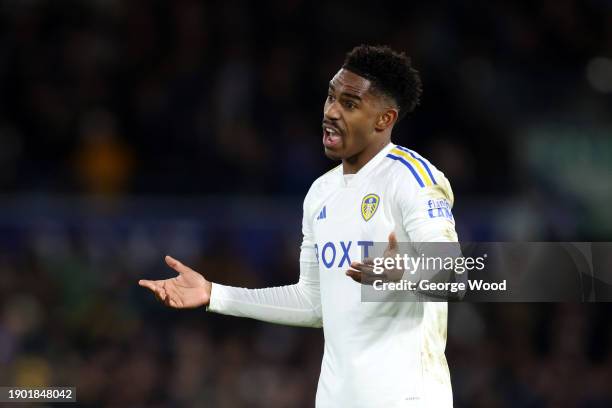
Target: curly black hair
(390, 72)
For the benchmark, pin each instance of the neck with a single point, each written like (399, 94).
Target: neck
(353, 164)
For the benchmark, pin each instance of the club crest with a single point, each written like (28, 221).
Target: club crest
(369, 205)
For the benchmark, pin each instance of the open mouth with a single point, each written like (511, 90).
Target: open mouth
(331, 136)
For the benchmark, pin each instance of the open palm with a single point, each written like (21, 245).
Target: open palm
(187, 290)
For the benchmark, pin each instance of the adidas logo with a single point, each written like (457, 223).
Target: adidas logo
(322, 214)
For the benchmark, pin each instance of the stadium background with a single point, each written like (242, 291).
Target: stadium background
(133, 129)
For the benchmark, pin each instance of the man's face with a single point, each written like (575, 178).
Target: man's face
(349, 116)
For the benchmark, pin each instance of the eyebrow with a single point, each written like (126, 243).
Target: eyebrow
(346, 94)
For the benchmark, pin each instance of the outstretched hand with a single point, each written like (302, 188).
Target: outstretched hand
(187, 290)
(363, 272)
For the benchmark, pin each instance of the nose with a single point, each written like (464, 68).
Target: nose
(331, 111)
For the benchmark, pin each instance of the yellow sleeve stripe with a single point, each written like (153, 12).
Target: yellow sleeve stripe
(415, 163)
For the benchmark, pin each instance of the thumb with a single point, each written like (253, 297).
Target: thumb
(392, 242)
(176, 265)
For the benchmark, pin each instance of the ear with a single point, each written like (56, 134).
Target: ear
(386, 119)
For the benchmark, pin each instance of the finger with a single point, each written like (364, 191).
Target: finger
(155, 287)
(368, 261)
(362, 267)
(160, 291)
(354, 275)
(161, 295)
(392, 242)
(151, 285)
(365, 278)
(176, 265)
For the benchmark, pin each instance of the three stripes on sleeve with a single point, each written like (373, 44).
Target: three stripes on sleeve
(415, 163)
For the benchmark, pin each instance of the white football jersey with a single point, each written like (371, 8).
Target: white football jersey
(377, 354)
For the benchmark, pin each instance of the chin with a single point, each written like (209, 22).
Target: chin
(333, 155)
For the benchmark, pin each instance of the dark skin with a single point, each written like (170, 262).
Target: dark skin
(363, 120)
(363, 117)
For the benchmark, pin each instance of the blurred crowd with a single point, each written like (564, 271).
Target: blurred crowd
(111, 97)
(132, 129)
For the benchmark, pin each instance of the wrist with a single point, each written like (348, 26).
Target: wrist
(206, 293)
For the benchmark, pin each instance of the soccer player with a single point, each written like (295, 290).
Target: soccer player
(377, 354)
